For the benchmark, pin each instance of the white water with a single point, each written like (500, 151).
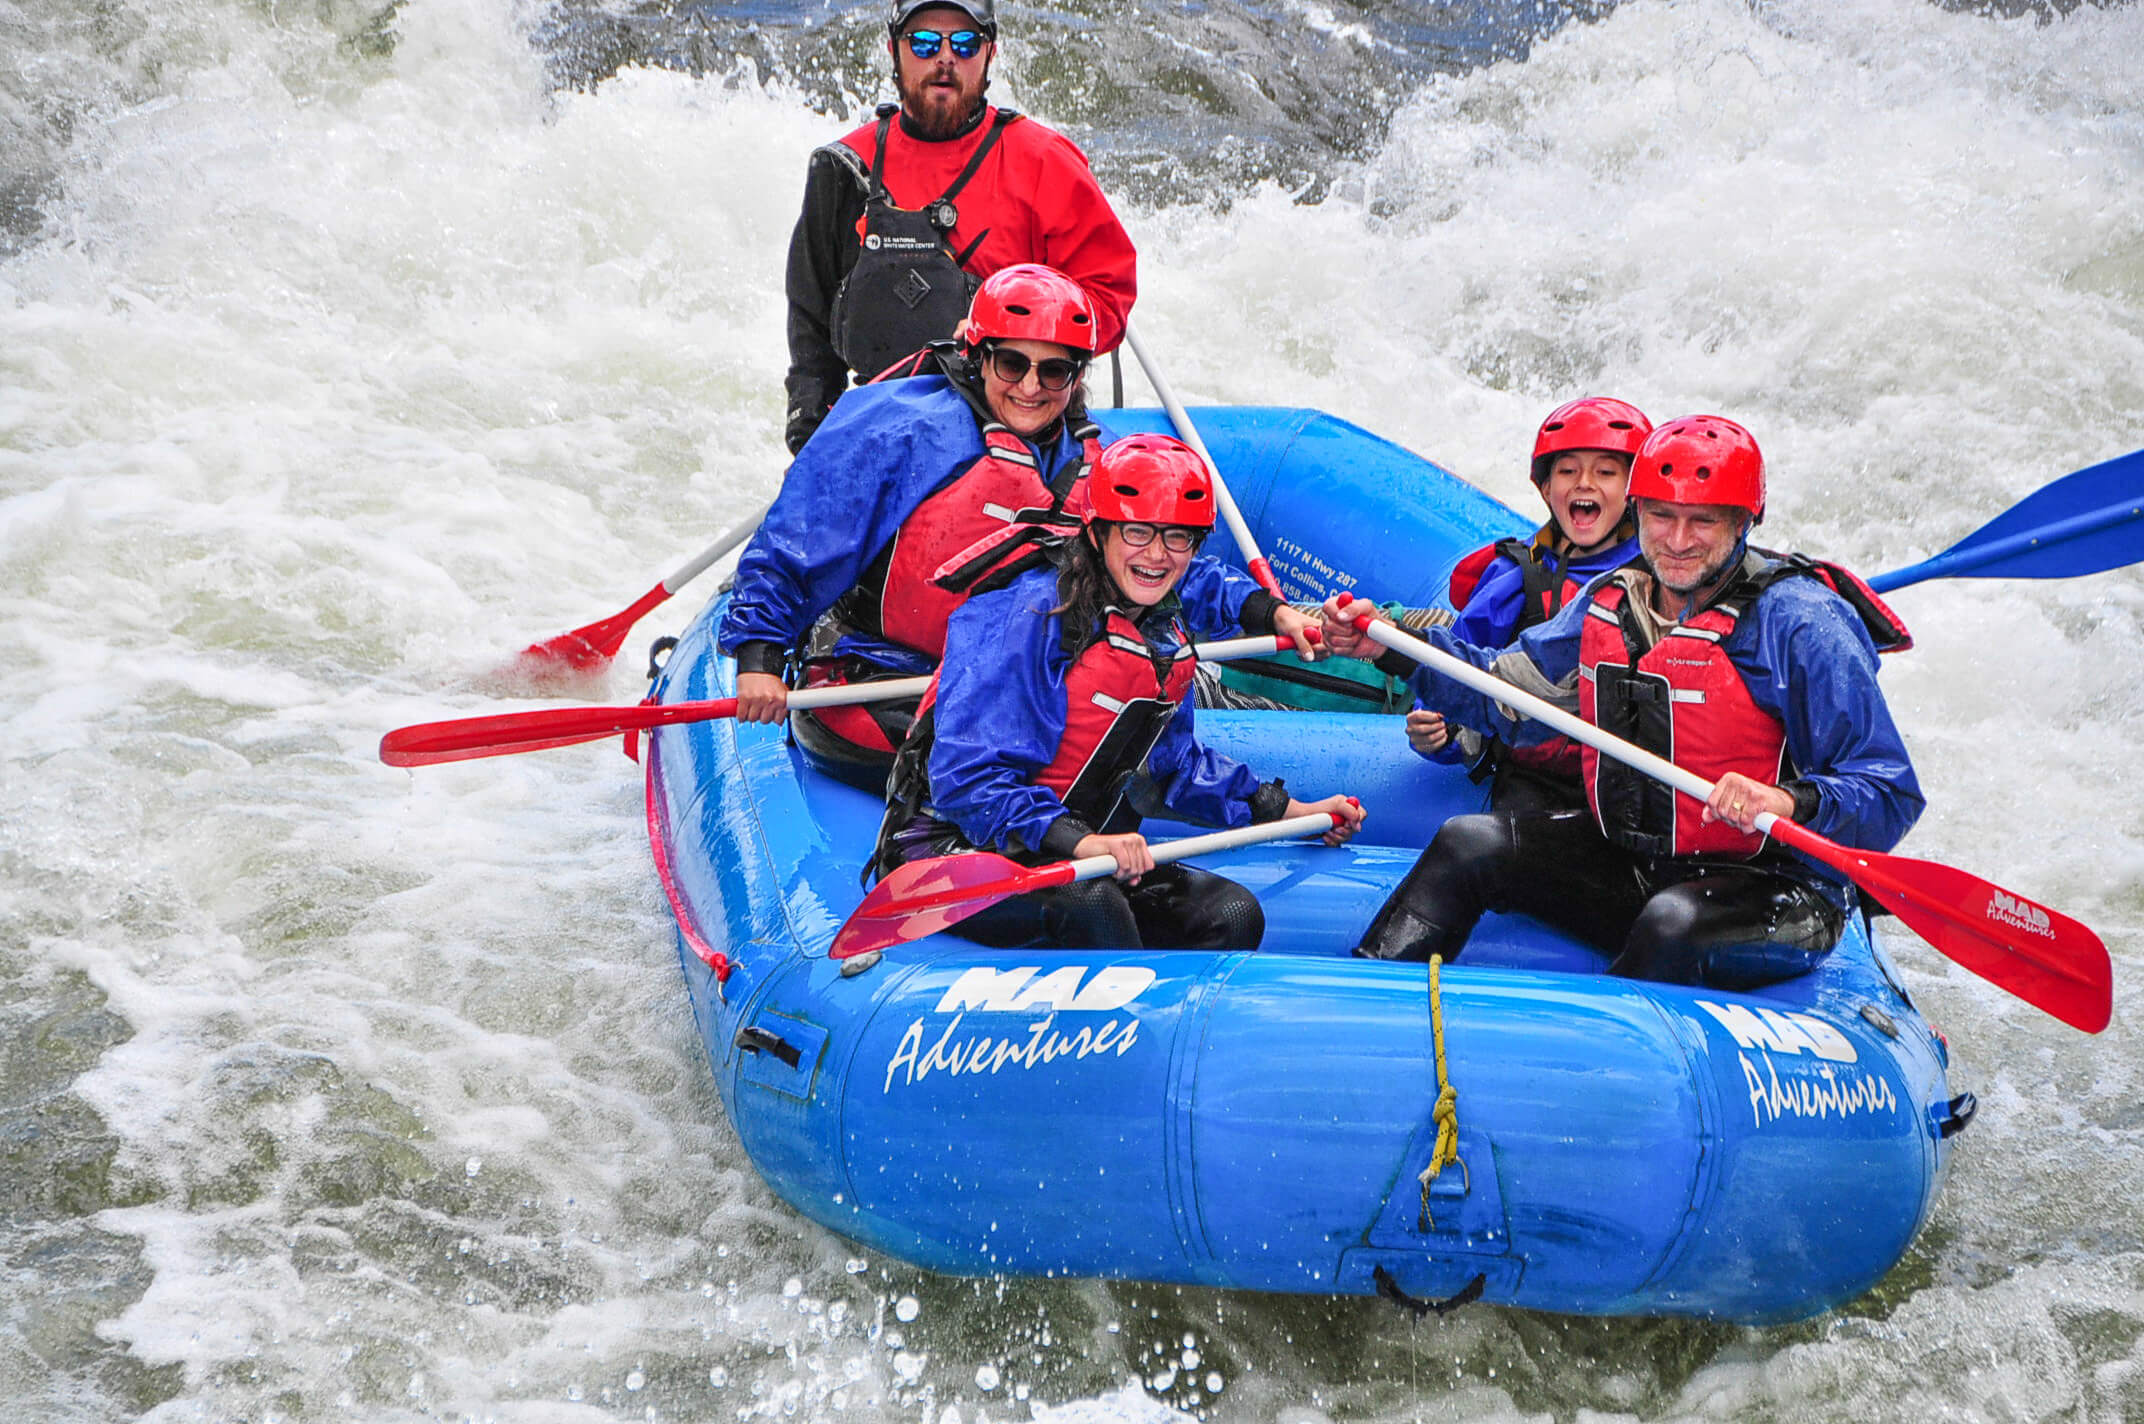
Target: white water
(342, 1092)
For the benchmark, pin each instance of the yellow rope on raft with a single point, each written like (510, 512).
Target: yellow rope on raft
(1446, 1112)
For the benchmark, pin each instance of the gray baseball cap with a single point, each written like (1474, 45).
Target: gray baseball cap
(983, 12)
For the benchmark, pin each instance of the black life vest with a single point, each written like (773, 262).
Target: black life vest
(908, 286)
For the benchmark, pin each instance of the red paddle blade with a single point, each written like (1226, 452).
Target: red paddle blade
(2043, 956)
(589, 648)
(467, 738)
(926, 896)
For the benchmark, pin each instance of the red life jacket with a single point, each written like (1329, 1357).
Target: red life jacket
(1681, 699)
(1544, 595)
(1119, 697)
(975, 525)
(1684, 700)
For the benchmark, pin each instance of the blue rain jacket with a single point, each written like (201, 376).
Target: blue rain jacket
(1491, 616)
(1807, 660)
(1001, 715)
(884, 449)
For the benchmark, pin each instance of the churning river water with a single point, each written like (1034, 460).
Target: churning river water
(346, 347)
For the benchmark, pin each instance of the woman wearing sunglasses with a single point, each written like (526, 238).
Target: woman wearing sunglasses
(906, 214)
(1062, 710)
(916, 494)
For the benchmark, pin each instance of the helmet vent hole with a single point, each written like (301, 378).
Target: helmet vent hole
(1019, 310)
(1194, 495)
(1128, 491)
(1081, 319)
(1704, 472)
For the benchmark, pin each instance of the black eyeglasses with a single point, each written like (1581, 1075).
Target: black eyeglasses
(967, 44)
(1012, 367)
(1176, 538)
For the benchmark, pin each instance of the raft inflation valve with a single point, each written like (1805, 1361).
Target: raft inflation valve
(1879, 1020)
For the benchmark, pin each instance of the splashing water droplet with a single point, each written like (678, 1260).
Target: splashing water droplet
(986, 1377)
(907, 1308)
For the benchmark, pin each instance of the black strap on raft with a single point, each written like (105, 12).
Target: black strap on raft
(1389, 1287)
(765, 1040)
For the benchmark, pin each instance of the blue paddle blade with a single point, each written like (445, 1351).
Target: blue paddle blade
(2083, 523)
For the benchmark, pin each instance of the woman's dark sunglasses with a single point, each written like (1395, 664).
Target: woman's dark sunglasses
(1176, 538)
(1054, 374)
(923, 44)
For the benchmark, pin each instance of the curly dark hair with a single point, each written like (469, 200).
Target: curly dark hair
(1084, 588)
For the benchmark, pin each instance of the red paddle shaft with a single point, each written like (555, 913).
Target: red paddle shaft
(466, 738)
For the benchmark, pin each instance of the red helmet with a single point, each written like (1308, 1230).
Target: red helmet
(1030, 302)
(1151, 479)
(1593, 423)
(1701, 459)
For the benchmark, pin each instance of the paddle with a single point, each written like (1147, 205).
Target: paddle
(925, 896)
(590, 647)
(2043, 956)
(1189, 434)
(466, 738)
(2083, 523)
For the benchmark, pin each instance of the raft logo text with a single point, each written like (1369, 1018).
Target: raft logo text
(1777, 1032)
(1009, 990)
(1307, 570)
(1821, 1093)
(956, 1051)
(2007, 909)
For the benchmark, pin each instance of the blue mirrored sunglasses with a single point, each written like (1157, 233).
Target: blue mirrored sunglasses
(923, 44)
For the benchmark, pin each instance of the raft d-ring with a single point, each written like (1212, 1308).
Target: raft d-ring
(659, 656)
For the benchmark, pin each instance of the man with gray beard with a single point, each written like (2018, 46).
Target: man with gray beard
(904, 216)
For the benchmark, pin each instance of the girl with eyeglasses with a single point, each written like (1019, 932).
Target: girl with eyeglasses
(918, 493)
(1062, 711)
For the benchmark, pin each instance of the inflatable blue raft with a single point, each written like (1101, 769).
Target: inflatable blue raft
(1263, 1121)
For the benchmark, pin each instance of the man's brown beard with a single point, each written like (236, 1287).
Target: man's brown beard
(922, 107)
